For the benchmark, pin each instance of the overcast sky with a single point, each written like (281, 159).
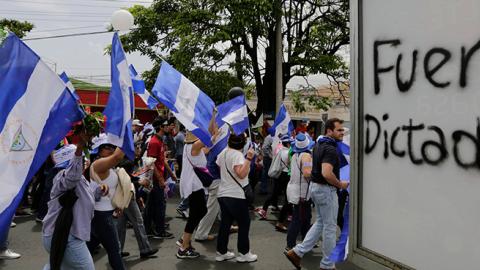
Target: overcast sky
(81, 56)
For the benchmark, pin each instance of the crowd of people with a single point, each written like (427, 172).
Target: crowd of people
(85, 201)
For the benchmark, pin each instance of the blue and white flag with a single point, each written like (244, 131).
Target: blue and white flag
(192, 107)
(234, 112)
(340, 252)
(119, 108)
(140, 89)
(69, 85)
(37, 111)
(282, 124)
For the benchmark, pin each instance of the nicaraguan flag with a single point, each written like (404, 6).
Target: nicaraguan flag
(69, 85)
(140, 89)
(234, 112)
(37, 111)
(119, 108)
(282, 124)
(340, 252)
(192, 107)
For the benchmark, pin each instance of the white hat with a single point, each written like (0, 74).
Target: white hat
(137, 122)
(62, 156)
(97, 141)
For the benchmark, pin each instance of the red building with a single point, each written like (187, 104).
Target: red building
(96, 97)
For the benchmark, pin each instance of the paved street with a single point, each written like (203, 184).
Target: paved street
(265, 241)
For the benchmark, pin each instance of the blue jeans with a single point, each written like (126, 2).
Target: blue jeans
(104, 232)
(264, 183)
(4, 243)
(326, 204)
(76, 254)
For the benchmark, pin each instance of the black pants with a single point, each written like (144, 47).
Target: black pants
(155, 210)
(233, 209)
(179, 163)
(301, 218)
(279, 188)
(104, 232)
(198, 209)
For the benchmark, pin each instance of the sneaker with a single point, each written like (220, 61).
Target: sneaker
(233, 229)
(165, 235)
(224, 257)
(149, 254)
(125, 254)
(281, 228)
(8, 254)
(189, 253)
(13, 224)
(179, 243)
(294, 259)
(262, 214)
(247, 258)
(182, 213)
(38, 220)
(274, 209)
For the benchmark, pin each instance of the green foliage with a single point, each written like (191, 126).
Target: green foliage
(221, 43)
(19, 28)
(318, 102)
(298, 104)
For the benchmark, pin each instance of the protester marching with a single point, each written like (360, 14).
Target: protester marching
(97, 175)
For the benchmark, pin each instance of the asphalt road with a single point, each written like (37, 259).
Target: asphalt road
(267, 243)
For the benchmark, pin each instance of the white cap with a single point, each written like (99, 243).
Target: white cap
(62, 156)
(137, 122)
(102, 138)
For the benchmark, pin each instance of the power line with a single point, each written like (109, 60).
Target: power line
(69, 35)
(34, 31)
(58, 3)
(57, 19)
(58, 15)
(53, 12)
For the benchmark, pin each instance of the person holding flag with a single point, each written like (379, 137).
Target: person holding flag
(66, 227)
(325, 177)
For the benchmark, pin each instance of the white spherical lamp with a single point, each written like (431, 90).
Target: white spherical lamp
(122, 20)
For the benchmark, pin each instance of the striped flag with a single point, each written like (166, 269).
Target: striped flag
(192, 107)
(37, 111)
(119, 109)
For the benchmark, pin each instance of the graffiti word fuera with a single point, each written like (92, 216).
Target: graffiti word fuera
(431, 65)
(425, 154)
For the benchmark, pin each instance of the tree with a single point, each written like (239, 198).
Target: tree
(237, 37)
(19, 28)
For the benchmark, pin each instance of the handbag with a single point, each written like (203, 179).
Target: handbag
(276, 167)
(249, 196)
(203, 174)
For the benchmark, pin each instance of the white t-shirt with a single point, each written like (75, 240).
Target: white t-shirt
(189, 181)
(105, 202)
(228, 187)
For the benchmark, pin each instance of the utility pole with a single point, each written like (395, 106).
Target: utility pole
(278, 56)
